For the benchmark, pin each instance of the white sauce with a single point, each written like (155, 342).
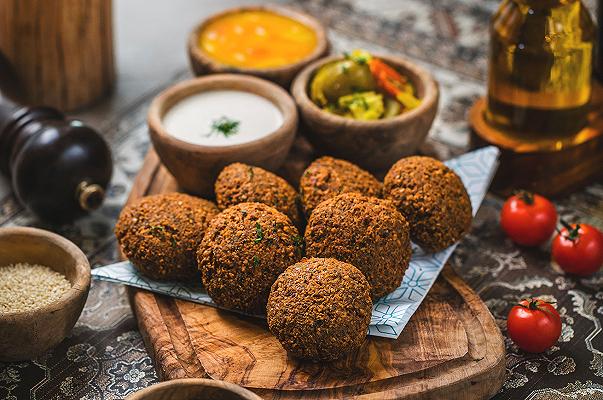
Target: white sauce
(192, 118)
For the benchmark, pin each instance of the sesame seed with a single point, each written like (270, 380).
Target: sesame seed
(26, 287)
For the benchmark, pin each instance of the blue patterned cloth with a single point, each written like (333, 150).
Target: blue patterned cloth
(392, 312)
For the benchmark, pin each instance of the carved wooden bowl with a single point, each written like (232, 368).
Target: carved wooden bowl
(203, 64)
(196, 167)
(194, 389)
(374, 145)
(26, 335)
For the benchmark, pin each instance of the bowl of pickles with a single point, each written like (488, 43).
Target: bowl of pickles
(369, 109)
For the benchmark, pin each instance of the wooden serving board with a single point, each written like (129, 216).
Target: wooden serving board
(450, 349)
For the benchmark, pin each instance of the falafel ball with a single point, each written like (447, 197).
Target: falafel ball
(368, 233)
(320, 309)
(160, 234)
(246, 247)
(242, 183)
(327, 177)
(432, 198)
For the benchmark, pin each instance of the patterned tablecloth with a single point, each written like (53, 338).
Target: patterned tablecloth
(105, 358)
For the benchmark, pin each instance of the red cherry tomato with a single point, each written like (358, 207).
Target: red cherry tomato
(579, 250)
(528, 219)
(534, 325)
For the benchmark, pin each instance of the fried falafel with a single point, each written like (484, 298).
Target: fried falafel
(328, 177)
(368, 233)
(432, 198)
(246, 247)
(160, 234)
(242, 183)
(320, 309)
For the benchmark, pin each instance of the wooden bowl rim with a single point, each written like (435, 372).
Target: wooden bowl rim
(322, 43)
(187, 382)
(299, 89)
(80, 284)
(282, 100)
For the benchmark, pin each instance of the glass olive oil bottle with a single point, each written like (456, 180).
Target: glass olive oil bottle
(540, 68)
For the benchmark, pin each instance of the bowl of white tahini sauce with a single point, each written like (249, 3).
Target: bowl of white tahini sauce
(201, 125)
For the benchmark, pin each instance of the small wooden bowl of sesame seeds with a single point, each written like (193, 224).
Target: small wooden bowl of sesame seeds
(44, 283)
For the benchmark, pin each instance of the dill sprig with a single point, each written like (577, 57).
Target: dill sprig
(224, 126)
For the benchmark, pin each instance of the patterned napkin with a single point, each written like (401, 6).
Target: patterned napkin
(390, 313)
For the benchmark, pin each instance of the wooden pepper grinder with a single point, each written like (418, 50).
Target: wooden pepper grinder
(59, 168)
(62, 50)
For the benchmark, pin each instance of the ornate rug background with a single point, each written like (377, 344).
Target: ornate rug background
(105, 358)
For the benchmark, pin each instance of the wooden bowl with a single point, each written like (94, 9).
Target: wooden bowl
(203, 64)
(196, 167)
(194, 389)
(374, 145)
(26, 335)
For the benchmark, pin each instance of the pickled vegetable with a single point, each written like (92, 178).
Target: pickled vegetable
(362, 87)
(340, 78)
(362, 106)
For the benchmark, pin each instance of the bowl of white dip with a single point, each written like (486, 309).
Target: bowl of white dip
(201, 125)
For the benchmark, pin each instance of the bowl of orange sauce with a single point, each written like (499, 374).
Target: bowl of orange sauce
(271, 42)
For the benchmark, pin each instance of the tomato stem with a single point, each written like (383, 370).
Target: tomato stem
(573, 232)
(533, 305)
(525, 196)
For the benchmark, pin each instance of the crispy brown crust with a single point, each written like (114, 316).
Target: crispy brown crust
(320, 309)
(366, 232)
(432, 198)
(160, 234)
(327, 177)
(246, 247)
(242, 183)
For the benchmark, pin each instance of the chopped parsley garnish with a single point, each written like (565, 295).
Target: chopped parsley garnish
(256, 261)
(259, 234)
(224, 126)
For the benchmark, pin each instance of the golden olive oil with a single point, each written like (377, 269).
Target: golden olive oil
(540, 68)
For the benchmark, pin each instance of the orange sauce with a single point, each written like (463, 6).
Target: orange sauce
(257, 39)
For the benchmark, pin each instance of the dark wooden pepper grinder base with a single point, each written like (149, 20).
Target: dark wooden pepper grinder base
(59, 168)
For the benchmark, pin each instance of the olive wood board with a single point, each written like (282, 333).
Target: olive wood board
(451, 348)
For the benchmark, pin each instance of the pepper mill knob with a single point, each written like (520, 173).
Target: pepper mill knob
(90, 196)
